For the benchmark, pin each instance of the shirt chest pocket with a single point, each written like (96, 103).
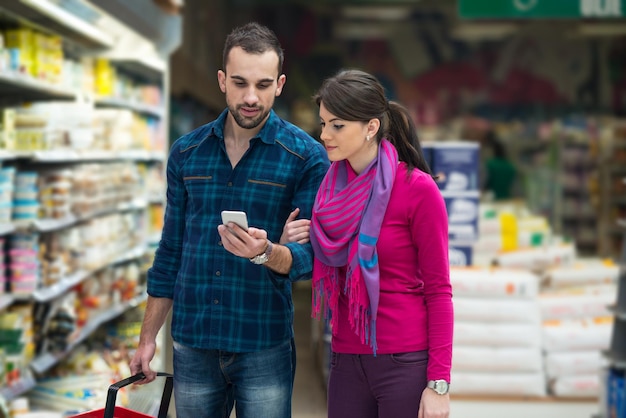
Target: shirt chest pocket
(199, 188)
(275, 188)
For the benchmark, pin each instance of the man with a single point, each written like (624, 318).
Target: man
(230, 288)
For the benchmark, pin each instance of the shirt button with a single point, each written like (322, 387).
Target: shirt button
(230, 184)
(215, 301)
(220, 243)
(218, 273)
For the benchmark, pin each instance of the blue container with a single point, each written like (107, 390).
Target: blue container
(460, 254)
(456, 165)
(463, 214)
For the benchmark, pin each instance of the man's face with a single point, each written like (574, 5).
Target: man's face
(251, 83)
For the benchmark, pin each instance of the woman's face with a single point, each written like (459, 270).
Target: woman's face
(347, 140)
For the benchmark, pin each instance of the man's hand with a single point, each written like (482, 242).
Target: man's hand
(295, 230)
(242, 243)
(141, 362)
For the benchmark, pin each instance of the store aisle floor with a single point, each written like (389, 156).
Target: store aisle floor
(309, 399)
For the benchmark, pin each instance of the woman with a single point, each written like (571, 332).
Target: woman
(379, 231)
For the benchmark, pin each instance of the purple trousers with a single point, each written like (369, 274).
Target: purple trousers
(385, 386)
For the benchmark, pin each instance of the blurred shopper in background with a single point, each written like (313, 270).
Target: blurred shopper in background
(381, 274)
(500, 173)
(230, 288)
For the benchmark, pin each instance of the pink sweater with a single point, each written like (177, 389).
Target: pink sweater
(415, 310)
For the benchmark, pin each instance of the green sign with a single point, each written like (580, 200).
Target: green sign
(542, 9)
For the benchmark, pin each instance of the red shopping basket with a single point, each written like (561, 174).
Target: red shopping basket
(112, 411)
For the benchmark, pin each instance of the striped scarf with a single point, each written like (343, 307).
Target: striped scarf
(345, 225)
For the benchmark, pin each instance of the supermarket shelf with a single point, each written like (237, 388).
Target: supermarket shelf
(51, 17)
(51, 224)
(23, 385)
(86, 30)
(145, 109)
(17, 87)
(51, 292)
(6, 229)
(5, 300)
(46, 361)
(148, 66)
(64, 285)
(51, 156)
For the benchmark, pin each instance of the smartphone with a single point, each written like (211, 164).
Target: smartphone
(237, 217)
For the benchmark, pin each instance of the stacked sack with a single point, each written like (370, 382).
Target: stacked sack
(577, 324)
(497, 338)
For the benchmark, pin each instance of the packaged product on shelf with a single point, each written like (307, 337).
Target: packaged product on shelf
(17, 335)
(490, 359)
(573, 363)
(456, 165)
(25, 197)
(583, 271)
(30, 131)
(580, 386)
(616, 393)
(485, 309)
(577, 334)
(460, 254)
(20, 43)
(538, 258)
(497, 334)
(501, 384)
(494, 282)
(462, 208)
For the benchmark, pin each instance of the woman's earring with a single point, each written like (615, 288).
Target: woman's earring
(367, 138)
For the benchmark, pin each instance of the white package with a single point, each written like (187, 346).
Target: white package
(497, 310)
(497, 334)
(516, 384)
(496, 359)
(582, 334)
(582, 272)
(572, 306)
(493, 282)
(568, 363)
(581, 386)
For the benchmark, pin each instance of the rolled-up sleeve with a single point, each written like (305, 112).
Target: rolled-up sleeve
(315, 168)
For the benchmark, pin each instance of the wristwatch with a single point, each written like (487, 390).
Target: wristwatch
(440, 386)
(264, 256)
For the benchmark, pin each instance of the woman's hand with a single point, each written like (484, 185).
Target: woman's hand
(295, 230)
(434, 405)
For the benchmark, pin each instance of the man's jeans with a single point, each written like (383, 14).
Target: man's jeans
(207, 381)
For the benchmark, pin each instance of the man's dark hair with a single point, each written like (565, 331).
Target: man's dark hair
(254, 39)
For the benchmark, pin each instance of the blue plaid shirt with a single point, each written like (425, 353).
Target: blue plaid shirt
(222, 301)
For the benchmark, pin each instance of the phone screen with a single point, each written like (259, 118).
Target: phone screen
(234, 216)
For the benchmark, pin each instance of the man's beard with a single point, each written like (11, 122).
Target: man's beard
(247, 123)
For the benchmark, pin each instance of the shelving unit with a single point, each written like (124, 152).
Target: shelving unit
(613, 403)
(613, 188)
(576, 178)
(86, 31)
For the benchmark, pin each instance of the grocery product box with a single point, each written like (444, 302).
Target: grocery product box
(460, 254)
(456, 165)
(463, 215)
(427, 148)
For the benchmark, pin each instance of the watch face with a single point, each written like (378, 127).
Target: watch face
(260, 259)
(441, 387)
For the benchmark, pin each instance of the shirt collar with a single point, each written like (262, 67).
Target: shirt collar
(267, 134)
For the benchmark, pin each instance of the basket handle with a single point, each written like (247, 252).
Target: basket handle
(115, 387)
